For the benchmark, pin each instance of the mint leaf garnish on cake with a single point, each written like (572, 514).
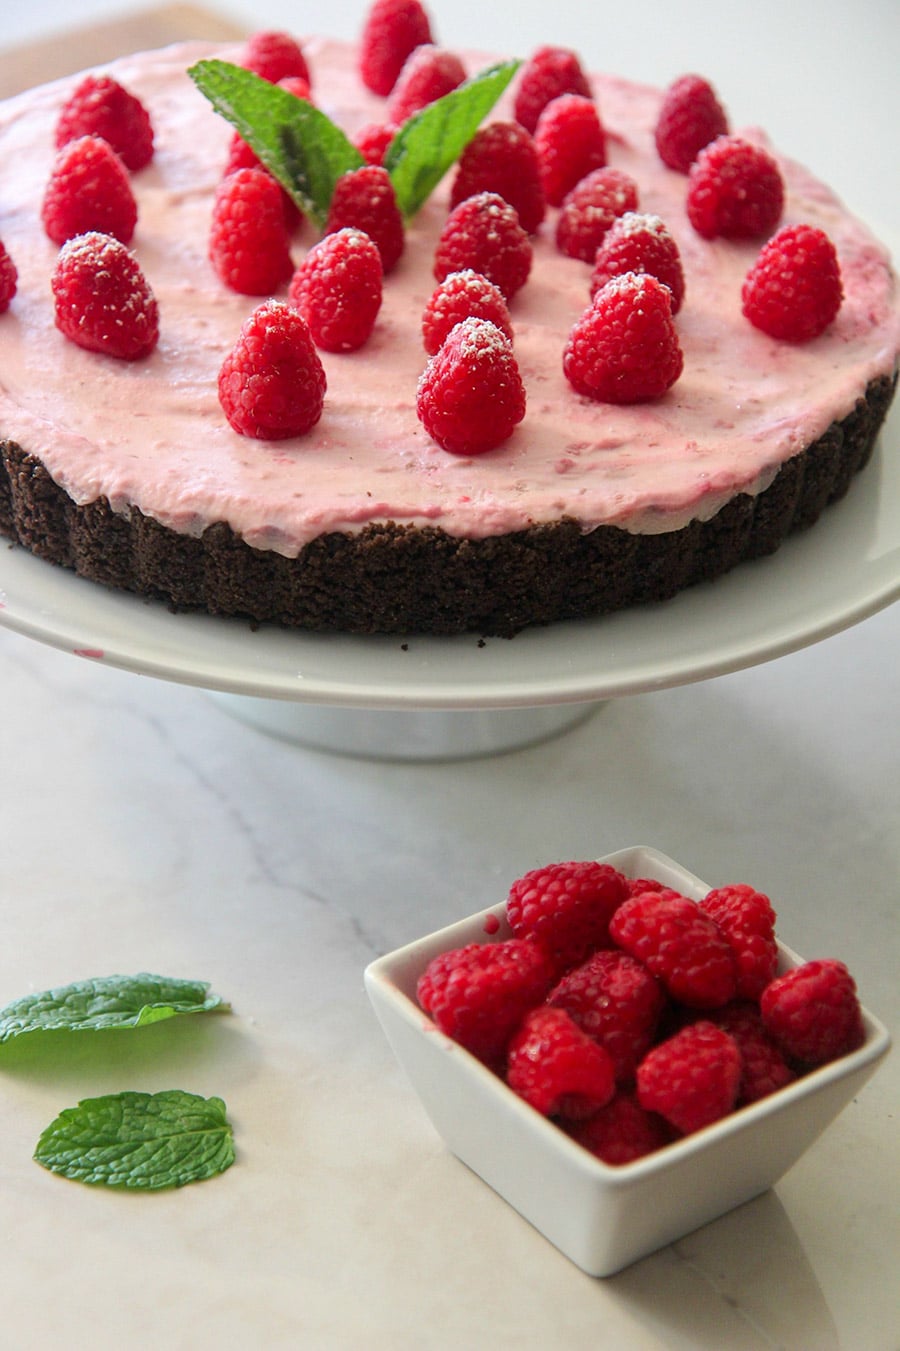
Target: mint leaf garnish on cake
(297, 142)
(433, 139)
(307, 152)
(139, 1141)
(107, 1002)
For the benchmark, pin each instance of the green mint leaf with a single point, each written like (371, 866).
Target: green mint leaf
(433, 139)
(107, 1002)
(297, 142)
(139, 1141)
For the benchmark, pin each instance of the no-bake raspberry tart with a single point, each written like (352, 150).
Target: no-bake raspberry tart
(592, 489)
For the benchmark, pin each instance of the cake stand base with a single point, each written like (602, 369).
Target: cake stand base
(404, 734)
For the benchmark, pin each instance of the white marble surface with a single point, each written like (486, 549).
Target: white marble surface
(144, 828)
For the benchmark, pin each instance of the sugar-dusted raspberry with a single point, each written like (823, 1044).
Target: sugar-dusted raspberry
(483, 233)
(747, 919)
(272, 384)
(9, 279)
(734, 190)
(763, 1068)
(274, 56)
(428, 74)
(570, 142)
(392, 30)
(373, 139)
(614, 999)
(249, 242)
(365, 199)
(691, 1079)
(463, 295)
(337, 289)
(624, 348)
(100, 106)
(794, 289)
(102, 299)
(550, 72)
(812, 1012)
(590, 209)
(690, 117)
(557, 1068)
(638, 242)
(470, 397)
(479, 994)
(680, 944)
(622, 1131)
(88, 189)
(567, 907)
(501, 158)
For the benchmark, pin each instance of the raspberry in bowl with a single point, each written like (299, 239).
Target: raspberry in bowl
(609, 1163)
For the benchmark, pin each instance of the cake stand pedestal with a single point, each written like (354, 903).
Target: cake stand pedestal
(405, 734)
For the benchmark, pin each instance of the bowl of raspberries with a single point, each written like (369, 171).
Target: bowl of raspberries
(623, 1052)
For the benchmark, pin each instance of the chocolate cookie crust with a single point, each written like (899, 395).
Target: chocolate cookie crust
(394, 579)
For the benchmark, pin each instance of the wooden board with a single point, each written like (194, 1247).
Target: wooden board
(79, 47)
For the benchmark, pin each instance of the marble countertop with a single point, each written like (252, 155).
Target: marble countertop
(144, 828)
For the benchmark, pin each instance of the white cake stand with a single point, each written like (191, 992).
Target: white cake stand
(438, 698)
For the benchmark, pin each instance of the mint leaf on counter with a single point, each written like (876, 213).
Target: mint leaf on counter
(139, 1141)
(296, 141)
(433, 139)
(107, 1002)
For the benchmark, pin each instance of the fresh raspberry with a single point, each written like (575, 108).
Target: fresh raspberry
(622, 1131)
(9, 280)
(274, 56)
(614, 999)
(556, 1068)
(100, 106)
(763, 1068)
(391, 32)
(813, 1012)
(794, 290)
(373, 139)
(734, 190)
(242, 156)
(337, 289)
(249, 242)
(463, 295)
(638, 884)
(298, 85)
(479, 994)
(680, 944)
(551, 71)
(501, 158)
(102, 299)
(483, 233)
(590, 209)
(690, 117)
(637, 242)
(747, 920)
(692, 1078)
(271, 384)
(570, 142)
(567, 907)
(428, 74)
(365, 199)
(470, 396)
(624, 348)
(88, 189)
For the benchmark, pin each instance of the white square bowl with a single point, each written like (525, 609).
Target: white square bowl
(602, 1217)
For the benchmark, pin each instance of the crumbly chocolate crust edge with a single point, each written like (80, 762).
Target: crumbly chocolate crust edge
(395, 579)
